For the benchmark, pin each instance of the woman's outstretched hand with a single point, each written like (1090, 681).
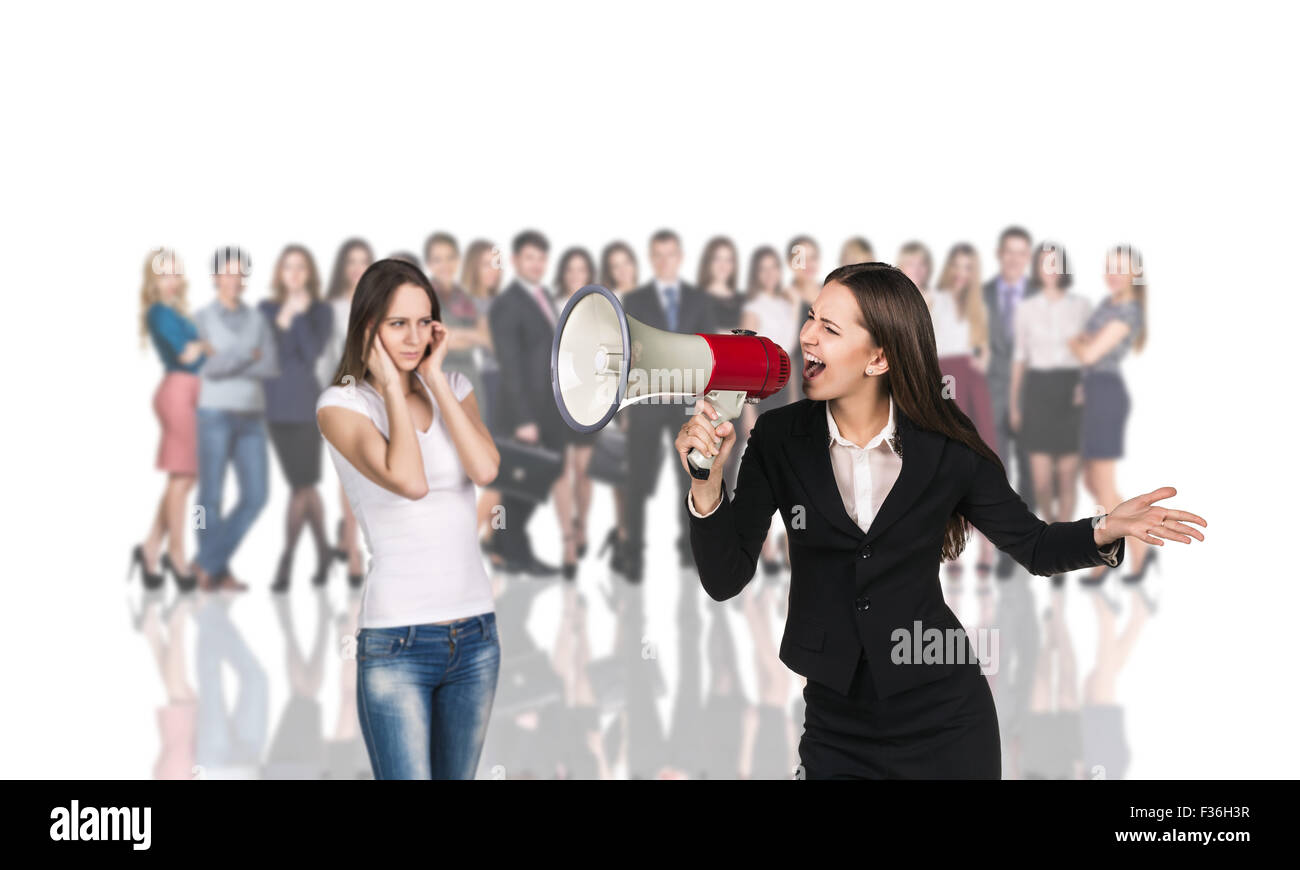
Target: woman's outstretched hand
(1141, 518)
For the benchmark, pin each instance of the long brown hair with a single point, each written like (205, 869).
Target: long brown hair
(969, 299)
(561, 292)
(278, 290)
(705, 272)
(1139, 287)
(606, 273)
(469, 277)
(369, 305)
(752, 288)
(338, 286)
(894, 312)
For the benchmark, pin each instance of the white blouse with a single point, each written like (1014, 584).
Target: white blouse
(864, 475)
(425, 563)
(1043, 328)
(778, 318)
(951, 333)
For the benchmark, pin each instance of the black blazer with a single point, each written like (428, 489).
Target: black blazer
(521, 339)
(849, 589)
(694, 313)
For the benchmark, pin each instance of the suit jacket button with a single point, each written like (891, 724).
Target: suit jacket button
(863, 603)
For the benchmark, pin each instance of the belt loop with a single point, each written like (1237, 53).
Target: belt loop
(483, 625)
(410, 636)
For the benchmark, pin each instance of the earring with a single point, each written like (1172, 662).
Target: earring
(870, 370)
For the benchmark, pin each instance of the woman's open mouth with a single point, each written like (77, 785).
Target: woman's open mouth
(812, 366)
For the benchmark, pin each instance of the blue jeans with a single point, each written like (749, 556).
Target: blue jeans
(238, 438)
(424, 694)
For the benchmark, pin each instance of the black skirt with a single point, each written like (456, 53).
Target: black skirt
(943, 729)
(1050, 419)
(298, 447)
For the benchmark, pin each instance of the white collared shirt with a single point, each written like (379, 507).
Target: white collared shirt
(1043, 327)
(864, 475)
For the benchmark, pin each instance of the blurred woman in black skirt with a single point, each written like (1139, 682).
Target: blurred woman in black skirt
(302, 323)
(1046, 398)
(618, 272)
(572, 491)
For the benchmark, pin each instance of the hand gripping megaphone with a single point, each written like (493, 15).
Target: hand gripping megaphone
(603, 360)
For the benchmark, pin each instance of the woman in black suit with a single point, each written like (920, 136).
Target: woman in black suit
(894, 688)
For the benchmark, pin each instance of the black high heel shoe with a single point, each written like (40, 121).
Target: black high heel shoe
(282, 573)
(184, 582)
(323, 564)
(1136, 577)
(617, 560)
(611, 540)
(151, 579)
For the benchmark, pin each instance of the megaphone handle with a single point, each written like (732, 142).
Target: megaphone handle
(728, 404)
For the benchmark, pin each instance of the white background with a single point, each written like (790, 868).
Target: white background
(127, 126)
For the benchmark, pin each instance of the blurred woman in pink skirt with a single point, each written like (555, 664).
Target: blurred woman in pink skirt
(164, 318)
(961, 337)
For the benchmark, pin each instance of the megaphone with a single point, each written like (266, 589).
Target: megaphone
(603, 360)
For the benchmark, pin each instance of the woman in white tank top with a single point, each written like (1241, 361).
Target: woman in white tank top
(409, 447)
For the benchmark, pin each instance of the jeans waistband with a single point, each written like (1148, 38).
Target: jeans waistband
(484, 621)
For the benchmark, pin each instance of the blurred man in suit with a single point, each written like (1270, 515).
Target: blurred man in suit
(671, 304)
(1002, 294)
(522, 320)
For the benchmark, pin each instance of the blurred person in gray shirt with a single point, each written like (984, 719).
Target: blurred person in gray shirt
(231, 419)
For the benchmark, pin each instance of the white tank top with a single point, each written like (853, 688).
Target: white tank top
(425, 563)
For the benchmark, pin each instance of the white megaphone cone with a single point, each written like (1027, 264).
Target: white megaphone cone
(603, 360)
